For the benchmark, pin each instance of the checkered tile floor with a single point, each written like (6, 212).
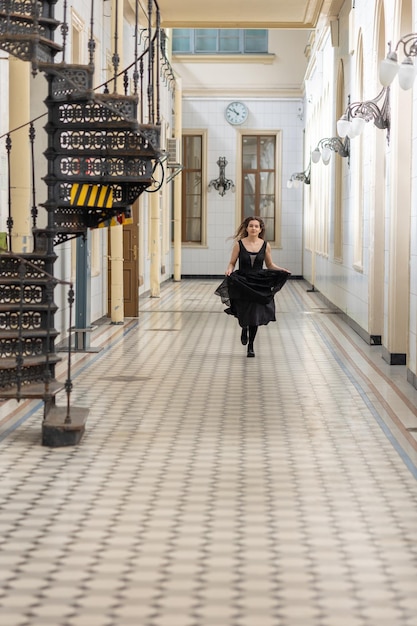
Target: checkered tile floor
(215, 490)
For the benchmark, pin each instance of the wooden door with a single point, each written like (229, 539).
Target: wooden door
(130, 266)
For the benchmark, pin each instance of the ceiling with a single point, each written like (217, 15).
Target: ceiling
(245, 13)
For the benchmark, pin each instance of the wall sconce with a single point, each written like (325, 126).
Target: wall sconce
(325, 147)
(221, 184)
(358, 114)
(389, 67)
(299, 177)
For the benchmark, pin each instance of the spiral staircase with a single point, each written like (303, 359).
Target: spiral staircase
(100, 159)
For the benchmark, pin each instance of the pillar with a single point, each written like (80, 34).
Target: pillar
(178, 185)
(20, 159)
(116, 232)
(116, 259)
(155, 246)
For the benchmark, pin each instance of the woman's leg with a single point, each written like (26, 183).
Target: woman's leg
(252, 334)
(244, 335)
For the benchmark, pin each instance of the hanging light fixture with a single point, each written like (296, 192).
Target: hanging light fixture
(389, 67)
(299, 177)
(347, 127)
(221, 184)
(358, 114)
(326, 146)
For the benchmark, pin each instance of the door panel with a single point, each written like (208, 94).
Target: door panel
(130, 266)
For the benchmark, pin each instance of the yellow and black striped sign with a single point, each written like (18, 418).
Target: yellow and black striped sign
(92, 196)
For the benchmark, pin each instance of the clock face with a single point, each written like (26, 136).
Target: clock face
(236, 113)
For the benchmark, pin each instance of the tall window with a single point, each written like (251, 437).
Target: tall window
(259, 180)
(192, 202)
(219, 41)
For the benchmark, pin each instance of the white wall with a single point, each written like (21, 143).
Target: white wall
(256, 75)
(341, 281)
(389, 220)
(223, 140)
(273, 92)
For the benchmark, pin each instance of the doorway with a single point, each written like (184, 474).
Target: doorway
(130, 266)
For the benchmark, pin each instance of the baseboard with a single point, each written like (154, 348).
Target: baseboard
(202, 276)
(411, 378)
(372, 340)
(393, 358)
(221, 276)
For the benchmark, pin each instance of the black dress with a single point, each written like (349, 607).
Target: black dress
(249, 291)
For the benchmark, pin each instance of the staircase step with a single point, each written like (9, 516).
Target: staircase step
(27, 333)
(9, 363)
(32, 390)
(36, 307)
(35, 268)
(98, 111)
(27, 30)
(15, 280)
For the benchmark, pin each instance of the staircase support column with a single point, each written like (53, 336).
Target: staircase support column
(61, 426)
(83, 326)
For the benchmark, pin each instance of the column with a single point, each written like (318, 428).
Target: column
(155, 246)
(20, 160)
(178, 185)
(116, 232)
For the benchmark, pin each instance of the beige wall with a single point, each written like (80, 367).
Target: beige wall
(269, 74)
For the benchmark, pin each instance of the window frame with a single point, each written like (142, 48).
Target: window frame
(202, 133)
(276, 242)
(242, 36)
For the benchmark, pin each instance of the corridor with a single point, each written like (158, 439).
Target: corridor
(215, 490)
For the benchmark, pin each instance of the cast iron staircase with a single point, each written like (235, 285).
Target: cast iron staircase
(27, 30)
(27, 341)
(100, 158)
(94, 140)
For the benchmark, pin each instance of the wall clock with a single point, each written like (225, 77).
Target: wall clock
(236, 113)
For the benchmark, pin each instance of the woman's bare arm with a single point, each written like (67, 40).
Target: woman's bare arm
(233, 259)
(269, 263)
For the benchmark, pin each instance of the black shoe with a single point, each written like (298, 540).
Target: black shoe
(250, 351)
(244, 336)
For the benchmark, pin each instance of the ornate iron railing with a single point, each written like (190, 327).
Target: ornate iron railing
(98, 137)
(27, 333)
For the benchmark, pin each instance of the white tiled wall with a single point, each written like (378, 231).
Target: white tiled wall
(223, 140)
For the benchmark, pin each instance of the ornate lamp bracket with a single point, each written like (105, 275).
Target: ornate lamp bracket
(357, 114)
(328, 145)
(300, 177)
(221, 184)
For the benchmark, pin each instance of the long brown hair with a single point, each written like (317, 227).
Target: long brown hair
(242, 231)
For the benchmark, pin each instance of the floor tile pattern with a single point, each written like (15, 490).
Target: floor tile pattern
(214, 490)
